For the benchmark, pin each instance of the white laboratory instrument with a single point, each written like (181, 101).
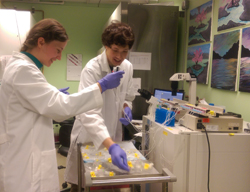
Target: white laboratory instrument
(223, 123)
(191, 78)
(211, 118)
(185, 153)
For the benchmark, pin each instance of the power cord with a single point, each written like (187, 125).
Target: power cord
(209, 155)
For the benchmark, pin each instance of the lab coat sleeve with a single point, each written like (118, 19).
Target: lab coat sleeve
(37, 95)
(130, 96)
(93, 120)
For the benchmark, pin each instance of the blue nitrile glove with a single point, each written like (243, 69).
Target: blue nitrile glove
(64, 90)
(118, 156)
(110, 81)
(127, 116)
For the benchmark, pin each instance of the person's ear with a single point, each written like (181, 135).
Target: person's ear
(40, 42)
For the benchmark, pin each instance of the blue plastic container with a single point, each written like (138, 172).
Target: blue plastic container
(161, 114)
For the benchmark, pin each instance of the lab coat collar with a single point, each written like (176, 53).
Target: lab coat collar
(34, 59)
(103, 61)
(22, 56)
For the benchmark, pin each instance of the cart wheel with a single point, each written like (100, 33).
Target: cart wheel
(64, 185)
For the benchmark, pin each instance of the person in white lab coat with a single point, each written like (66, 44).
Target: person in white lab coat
(102, 126)
(28, 103)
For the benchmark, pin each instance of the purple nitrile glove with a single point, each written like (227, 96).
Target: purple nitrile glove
(118, 156)
(127, 116)
(64, 90)
(110, 81)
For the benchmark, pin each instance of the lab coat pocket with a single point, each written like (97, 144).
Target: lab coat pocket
(49, 173)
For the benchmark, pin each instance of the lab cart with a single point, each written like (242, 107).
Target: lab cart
(119, 177)
(186, 154)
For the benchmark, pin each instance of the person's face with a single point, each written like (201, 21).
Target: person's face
(116, 54)
(50, 52)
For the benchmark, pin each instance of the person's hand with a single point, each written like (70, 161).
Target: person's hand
(64, 90)
(118, 156)
(127, 116)
(110, 81)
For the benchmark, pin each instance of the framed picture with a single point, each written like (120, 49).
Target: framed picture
(233, 13)
(225, 57)
(200, 24)
(198, 61)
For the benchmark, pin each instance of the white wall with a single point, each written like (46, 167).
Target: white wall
(14, 26)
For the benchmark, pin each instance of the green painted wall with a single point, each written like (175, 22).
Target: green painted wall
(237, 101)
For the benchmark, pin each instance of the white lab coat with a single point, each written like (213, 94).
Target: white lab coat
(3, 62)
(98, 124)
(28, 103)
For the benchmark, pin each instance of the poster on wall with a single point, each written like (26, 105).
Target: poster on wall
(140, 60)
(197, 62)
(74, 67)
(233, 13)
(200, 24)
(225, 57)
(244, 84)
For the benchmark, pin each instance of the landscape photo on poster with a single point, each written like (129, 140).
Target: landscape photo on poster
(233, 13)
(225, 57)
(198, 61)
(200, 24)
(244, 84)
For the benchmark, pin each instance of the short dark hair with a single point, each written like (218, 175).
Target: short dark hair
(119, 34)
(49, 29)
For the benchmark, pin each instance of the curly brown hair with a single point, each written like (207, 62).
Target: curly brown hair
(119, 34)
(49, 29)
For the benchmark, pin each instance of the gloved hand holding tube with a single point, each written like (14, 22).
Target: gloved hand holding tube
(127, 116)
(118, 156)
(110, 81)
(64, 90)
